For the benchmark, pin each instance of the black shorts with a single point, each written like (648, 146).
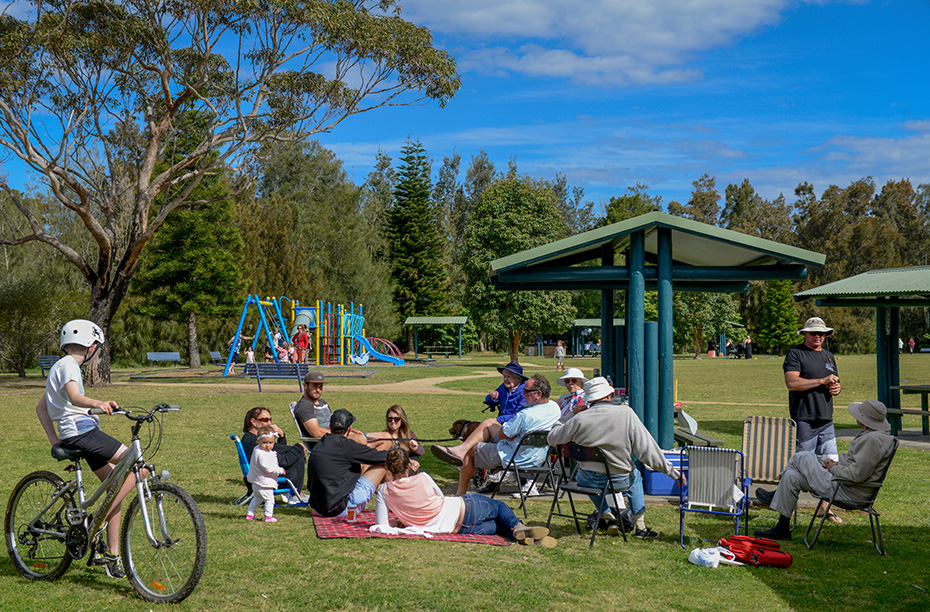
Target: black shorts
(98, 447)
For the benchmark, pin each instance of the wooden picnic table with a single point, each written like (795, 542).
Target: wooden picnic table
(924, 392)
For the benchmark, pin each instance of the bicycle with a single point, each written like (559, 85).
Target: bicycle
(163, 540)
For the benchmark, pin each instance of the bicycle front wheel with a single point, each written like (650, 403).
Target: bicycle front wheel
(168, 570)
(36, 527)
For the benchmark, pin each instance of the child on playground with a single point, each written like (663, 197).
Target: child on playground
(263, 474)
(282, 353)
(250, 355)
(64, 405)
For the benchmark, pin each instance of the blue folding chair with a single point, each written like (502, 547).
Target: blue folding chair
(288, 487)
(717, 484)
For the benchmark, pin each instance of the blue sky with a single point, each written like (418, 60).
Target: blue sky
(615, 92)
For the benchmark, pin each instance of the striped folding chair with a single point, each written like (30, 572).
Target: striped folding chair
(716, 485)
(768, 444)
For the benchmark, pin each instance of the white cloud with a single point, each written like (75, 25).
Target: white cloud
(614, 42)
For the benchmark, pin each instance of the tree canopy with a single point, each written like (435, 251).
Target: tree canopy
(116, 75)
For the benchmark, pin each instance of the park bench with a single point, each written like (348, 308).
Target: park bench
(217, 358)
(155, 357)
(270, 369)
(686, 438)
(445, 350)
(46, 362)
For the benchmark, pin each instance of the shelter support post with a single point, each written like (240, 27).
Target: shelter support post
(666, 424)
(651, 378)
(635, 333)
(608, 344)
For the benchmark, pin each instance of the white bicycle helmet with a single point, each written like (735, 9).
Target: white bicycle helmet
(81, 332)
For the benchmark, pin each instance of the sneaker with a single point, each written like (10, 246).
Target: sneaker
(645, 534)
(528, 490)
(113, 565)
(250, 517)
(495, 477)
(299, 499)
(270, 519)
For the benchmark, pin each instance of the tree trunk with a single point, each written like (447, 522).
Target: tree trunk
(410, 339)
(514, 336)
(698, 342)
(97, 372)
(482, 347)
(192, 344)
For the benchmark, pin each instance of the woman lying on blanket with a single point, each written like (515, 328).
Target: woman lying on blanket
(416, 501)
(398, 428)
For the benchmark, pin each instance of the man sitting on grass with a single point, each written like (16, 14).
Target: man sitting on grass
(338, 474)
(868, 454)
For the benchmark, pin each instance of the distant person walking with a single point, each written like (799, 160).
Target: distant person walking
(910, 345)
(747, 344)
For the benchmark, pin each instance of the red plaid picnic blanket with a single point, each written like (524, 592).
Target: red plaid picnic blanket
(334, 527)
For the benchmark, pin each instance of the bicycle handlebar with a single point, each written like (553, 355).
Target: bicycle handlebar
(158, 408)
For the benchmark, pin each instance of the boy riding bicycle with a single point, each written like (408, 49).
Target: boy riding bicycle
(65, 405)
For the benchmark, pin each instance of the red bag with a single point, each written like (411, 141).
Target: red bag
(745, 546)
(772, 558)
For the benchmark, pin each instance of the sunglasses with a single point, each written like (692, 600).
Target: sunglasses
(264, 420)
(818, 333)
(394, 419)
(528, 391)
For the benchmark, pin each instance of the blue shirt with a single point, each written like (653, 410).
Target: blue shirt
(540, 417)
(508, 402)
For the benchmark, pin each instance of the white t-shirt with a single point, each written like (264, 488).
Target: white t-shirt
(71, 421)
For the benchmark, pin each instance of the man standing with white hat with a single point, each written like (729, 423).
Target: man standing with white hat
(869, 453)
(812, 379)
(618, 432)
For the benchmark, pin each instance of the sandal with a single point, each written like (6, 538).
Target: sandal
(444, 454)
(833, 518)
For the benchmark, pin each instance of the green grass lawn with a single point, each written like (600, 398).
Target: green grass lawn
(285, 567)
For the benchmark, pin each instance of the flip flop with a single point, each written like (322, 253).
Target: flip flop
(444, 454)
(833, 518)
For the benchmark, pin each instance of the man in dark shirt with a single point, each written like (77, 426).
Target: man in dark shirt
(337, 470)
(312, 413)
(812, 380)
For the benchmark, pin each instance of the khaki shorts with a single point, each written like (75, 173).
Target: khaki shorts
(486, 456)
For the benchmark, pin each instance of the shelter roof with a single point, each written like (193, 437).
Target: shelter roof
(889, 287)
(436, 321)
(693, 244)
(596, 323)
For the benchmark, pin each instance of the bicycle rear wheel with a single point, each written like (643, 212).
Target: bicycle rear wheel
(35, 528)
(169, 570)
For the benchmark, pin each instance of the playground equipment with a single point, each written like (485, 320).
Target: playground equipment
(338, 332)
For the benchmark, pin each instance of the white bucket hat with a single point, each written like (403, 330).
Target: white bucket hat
(815, 324)
(596, 389)
(572, 373)
(870, 413)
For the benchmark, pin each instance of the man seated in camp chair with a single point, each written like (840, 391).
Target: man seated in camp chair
(618, 432)
(500, 442)
(865, 462)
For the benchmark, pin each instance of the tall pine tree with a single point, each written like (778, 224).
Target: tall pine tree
(415, 240)
(779, 318)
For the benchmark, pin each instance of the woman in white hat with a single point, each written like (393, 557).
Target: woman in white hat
(572, 402)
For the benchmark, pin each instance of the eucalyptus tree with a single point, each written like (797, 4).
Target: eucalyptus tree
(91, 92)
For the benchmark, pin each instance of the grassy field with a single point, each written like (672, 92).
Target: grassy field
(285, 567)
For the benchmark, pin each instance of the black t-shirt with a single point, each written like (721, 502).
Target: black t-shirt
(305, 410)
(814, 404)
(333, 470)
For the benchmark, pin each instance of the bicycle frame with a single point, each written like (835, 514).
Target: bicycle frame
(131, 463)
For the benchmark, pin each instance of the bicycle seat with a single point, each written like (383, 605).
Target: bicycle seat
(62, 454)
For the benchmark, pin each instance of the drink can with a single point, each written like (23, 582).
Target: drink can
(352, 513)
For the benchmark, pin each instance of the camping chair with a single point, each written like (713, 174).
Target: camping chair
(863, 505)
(305, 440)
(533, 440)
(716, 485)
(288, 487)
(568, 486)
(768, 444)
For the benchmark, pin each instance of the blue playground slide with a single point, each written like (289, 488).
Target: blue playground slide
(362, 340)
